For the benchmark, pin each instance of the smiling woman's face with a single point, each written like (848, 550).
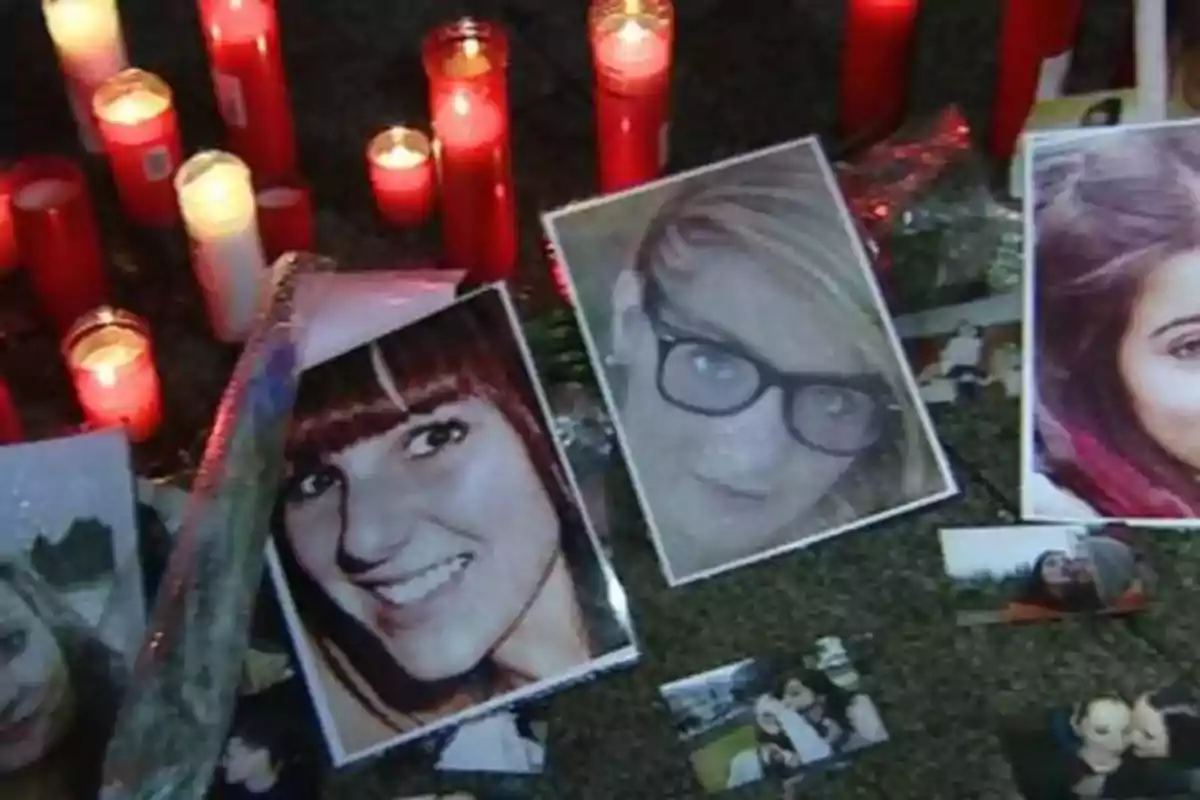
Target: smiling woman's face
(35, 696)
(723, 487)
(1159, 359)
(448, 535)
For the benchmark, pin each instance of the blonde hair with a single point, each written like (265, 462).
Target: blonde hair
(779, 209)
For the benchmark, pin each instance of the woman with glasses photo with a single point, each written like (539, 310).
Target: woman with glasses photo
(761, 396)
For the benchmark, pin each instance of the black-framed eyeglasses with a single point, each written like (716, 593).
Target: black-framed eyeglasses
(834, 414)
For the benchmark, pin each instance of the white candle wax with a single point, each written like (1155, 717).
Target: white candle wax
(91, 49)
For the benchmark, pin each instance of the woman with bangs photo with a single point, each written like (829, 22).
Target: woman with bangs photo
(1116, 328)
(761, 396)
(433, 549)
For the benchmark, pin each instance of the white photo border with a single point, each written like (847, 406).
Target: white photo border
(1029, 320)
(951, 489)
(621, 657)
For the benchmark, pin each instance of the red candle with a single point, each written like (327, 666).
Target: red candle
(111, 361)
(8, 236)
(11, 430)
(1033, 34)
(466, 63)
(631, 54)
(399, 161)
(251, 89)
(58, 237)
(876, 53)
(285, 218)
(141, 136)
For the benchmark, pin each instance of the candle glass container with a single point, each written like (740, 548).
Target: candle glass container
(876, 59)
(111, 361)
(285, 217)
(250, 83)
(140, 131)
(58, 238)
(400, 166)
(631, 44)
(216, 199)
(8, 237)
(91, 49)
(467, 66)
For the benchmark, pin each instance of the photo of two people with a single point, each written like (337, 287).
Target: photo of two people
(1044, 572)
(769, 720)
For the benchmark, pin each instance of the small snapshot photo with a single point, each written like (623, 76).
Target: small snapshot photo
(765, 720)
(1111, 413)
(965, 352)
(430, 551)
(1044, 572)
(757, 385)
(1139, 746)
(77, 530)
(510, 742)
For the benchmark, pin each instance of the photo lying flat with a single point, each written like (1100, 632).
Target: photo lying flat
(78, 529)
(760, 394)
(1111, 416)
(429, 544)
(770, 720)
(1044, 572)
(1142, 746)
(964, 352)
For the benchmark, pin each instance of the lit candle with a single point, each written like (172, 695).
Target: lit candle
(8, 236)
(285, 218)
(111, 361)
(91, 49)
(1036, 38)
(57, 237)
(466, 63)
(631, 53)
(876, 58)
(141, 136)
(401, 171)
(11, 430)
(217, 202)
(250, 84)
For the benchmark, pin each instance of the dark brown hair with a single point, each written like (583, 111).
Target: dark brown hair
(1109, 209)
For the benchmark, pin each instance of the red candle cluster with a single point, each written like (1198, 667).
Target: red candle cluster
(249, 81)
(876, 52)
(141, 136)
(631, 53)
(58, 238)
(467, 64)
(400, 165)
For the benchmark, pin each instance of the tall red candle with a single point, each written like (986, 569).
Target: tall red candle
(8, 236)
(399, 163)
(1034, 35)
(467, 63)
(876, 55)
(250, 84)
(11, 430)
(285, 217)
(631, 54)
(141, 136)
(58, 237)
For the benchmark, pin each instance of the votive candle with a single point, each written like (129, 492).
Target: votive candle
(91, 49)
(285, 217)
(876, 57)
(8, 237)
(400, 164)
(466, 63)
(111, 361)
(141, 136)
(216, 198)
(631, 54)
(250, 83)
(57, 236)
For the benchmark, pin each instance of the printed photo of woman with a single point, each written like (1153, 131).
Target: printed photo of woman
(1112, 424)
(760, 395)
(429, 547)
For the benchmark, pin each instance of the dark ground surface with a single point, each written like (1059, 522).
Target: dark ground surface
(749, 74)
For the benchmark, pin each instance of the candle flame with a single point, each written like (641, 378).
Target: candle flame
(106, 375)
(632, 31)
(460, 104)
(135, 107)
(400, 156)
(470, 47)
